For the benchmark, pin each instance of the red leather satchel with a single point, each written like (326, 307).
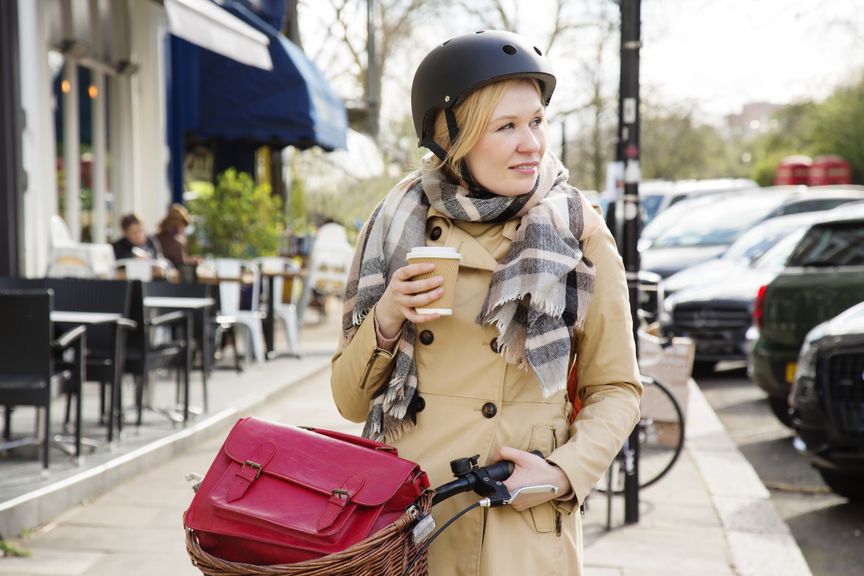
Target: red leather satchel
(279, 494)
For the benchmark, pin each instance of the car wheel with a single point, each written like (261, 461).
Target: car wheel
(780, 407)
(847, 485)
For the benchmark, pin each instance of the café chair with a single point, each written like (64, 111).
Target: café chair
(27, 369)
(146, 351)
(329, 265)
(106, 343)
(231, 273)
(203, 340)
(282, 294)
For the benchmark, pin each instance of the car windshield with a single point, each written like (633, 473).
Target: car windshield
(776, 257)
(835, 244)
(650, 205)
(756, 241)
(674, 214)
(721, 224)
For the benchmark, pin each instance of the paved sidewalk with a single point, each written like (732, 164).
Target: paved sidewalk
(710, 516)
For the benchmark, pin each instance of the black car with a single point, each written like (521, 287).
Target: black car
(827, 402)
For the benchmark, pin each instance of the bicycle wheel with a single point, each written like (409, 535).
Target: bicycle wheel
(661, 439)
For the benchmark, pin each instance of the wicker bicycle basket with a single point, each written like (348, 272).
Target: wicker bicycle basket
(385, 553)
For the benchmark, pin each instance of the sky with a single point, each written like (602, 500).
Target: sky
(713, 55)
(721, 54)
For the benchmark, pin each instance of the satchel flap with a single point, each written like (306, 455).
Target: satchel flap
(321, 463)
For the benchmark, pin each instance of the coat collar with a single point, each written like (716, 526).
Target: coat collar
(477, 251)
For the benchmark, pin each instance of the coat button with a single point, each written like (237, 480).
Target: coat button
(435, 233)
(419, 403)
(489, 410)
(494, 345)
(426, 337)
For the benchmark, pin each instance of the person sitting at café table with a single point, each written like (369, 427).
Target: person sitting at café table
(172, 236)
(135, 243)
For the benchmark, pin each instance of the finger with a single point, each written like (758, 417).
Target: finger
(518, 457)
(418, 286)
(412, 270)
(411, 301)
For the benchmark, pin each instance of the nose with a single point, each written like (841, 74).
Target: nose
(529, 141)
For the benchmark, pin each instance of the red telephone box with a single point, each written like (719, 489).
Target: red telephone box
(830, 170)
(793, 170)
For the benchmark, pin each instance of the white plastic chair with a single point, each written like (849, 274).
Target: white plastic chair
(79, 259)
(230, 295)
(286, 311)
(329, 264)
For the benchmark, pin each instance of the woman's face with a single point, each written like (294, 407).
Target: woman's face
(507, 157)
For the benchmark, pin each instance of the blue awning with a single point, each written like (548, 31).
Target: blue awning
(214, 97)
(292, 105)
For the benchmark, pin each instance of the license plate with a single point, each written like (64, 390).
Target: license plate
(790, 372)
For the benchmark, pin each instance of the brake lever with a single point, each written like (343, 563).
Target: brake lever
(491, 502)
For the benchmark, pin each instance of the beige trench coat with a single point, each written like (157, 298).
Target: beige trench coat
(475, 402)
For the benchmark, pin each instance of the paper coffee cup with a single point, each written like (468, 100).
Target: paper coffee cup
(446, 262)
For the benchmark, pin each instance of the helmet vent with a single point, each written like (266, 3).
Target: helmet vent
(509, 49)
(538, 51)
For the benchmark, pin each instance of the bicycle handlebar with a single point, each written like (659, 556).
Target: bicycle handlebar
(485, 480)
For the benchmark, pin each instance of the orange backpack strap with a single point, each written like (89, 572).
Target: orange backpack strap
(572, 391)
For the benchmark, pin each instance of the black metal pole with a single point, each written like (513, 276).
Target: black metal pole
(628, 152)
(11, 172)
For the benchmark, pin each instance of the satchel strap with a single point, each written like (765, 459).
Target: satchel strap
(339, 499)
(250, 470)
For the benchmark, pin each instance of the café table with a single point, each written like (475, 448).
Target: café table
(197, 306)
(76, 318)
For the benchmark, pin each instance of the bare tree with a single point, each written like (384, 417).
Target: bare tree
(344, 51)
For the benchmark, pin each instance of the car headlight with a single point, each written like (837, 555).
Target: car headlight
(806, 367)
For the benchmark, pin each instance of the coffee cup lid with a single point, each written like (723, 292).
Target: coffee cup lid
(434, 252)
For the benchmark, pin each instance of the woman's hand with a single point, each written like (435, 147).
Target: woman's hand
(532, 470)
(403, 295)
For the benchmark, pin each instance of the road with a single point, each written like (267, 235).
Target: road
(829, 529)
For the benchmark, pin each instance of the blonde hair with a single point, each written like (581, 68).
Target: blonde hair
(472, 119)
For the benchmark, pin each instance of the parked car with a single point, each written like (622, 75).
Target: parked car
(655, 196)
(706, 227)
(743, 253)
(823, 276)
(712, 302)
(827, 401)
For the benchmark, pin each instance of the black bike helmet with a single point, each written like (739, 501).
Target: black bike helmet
(463, 64)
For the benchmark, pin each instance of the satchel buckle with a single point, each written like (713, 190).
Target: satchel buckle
(341, 493)
(252, 464)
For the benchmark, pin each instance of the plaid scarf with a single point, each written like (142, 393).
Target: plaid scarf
(539, 291)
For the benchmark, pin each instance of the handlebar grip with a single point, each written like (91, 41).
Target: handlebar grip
(500, 470)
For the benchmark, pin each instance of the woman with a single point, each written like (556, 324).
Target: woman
(540, 285)
(172, 236)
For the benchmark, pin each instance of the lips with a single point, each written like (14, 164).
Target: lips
(526, 167)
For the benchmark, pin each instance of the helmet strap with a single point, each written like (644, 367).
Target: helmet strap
(464, 172)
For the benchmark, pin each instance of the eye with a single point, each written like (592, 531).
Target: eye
(508, 126)
(536, 122)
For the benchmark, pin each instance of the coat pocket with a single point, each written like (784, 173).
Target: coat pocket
(544, 439)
